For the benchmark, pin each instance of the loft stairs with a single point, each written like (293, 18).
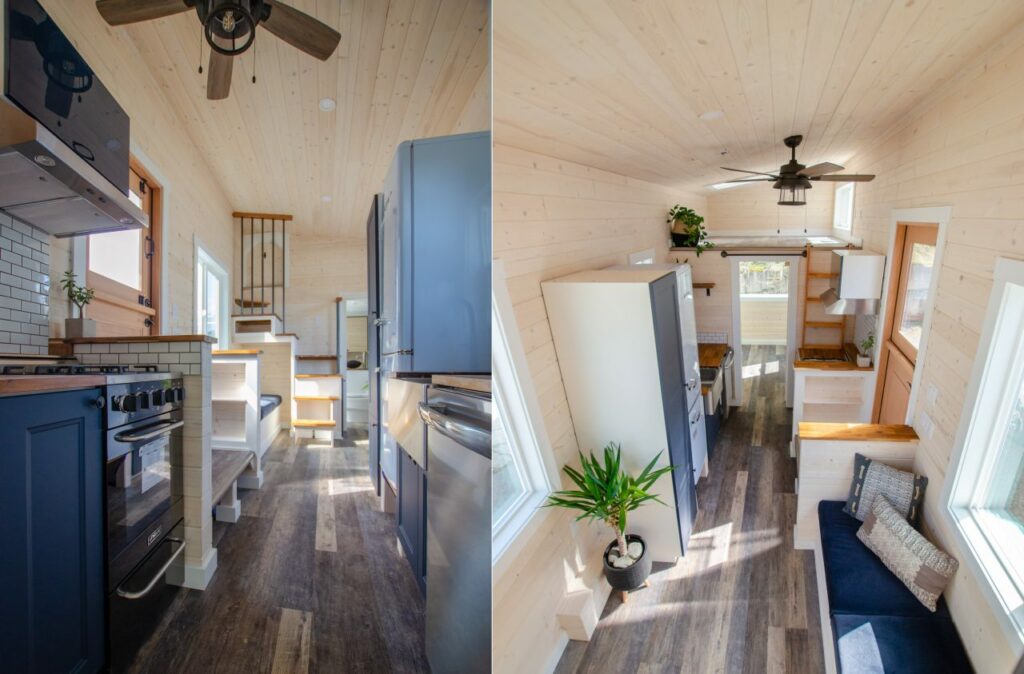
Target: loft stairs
(819, 329)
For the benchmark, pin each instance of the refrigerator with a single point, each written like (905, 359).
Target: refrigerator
(373, 419)
(434, 265)
(619, 338)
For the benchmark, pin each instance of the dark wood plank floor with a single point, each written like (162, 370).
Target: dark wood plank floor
(311, 578)
(742, 600)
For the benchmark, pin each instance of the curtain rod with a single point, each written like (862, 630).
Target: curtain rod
(802, 253)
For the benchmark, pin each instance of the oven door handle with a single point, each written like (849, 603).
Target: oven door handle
(159, 429)
(125, 594)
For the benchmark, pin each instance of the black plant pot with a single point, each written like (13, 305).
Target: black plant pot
(680, 240)
(633, 576)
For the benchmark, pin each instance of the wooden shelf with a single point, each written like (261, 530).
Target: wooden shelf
(314, 423)
(236, 352)
(318, 376)
(250, 304)
(704, 286)
(821, 274)
(331, 398)
(324, 357)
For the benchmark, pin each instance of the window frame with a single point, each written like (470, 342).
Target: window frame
(521, 418)
(849, 210)
(979, 435)
(205, 260)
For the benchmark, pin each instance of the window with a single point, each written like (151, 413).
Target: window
(521, 476)
(842, 217)
(211, 297)
(986, 497)
(642, 257)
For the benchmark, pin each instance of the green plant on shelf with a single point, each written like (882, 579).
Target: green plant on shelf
(867, 344)
(688, 229)
(79, 295)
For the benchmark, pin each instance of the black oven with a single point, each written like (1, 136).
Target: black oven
(145, 510)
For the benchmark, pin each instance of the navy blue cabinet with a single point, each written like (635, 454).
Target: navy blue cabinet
(373, 340)
(412, 515)
(51, 499)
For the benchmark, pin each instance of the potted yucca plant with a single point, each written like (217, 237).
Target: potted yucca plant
(79, 296)
(608, 493)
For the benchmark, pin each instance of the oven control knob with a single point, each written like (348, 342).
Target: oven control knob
(157, 397)
(180, 394)
(143, 398)
(126, 403)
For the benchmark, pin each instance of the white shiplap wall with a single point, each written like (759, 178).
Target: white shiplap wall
(552, 218)
(963, 148)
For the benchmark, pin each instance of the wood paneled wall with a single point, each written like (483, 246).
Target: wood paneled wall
(194, 200)
(755, 208)
(551, 218)
(964, 148)
(320, 270)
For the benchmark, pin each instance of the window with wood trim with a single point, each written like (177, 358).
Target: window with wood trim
(123, 267)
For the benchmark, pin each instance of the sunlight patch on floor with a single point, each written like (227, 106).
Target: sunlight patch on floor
(345, 485)
(714, 543)
(757, 369)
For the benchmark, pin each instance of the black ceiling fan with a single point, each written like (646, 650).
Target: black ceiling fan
(794, 178)
(230, 28)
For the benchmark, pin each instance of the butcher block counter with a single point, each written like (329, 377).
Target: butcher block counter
(14, 385)
(711, 355)
(481, 383)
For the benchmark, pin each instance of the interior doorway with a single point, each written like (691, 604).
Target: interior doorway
(910, 283)
(764, 320)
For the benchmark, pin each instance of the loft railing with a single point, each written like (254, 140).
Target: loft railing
(256, 296)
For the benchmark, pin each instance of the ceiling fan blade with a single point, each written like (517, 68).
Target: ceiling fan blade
(821, 169)
(218, 80)
(302, 31)
(757, 173)
(851, 178)
(751, 180)
(120, 12)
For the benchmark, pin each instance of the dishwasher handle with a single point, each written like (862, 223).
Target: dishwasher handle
(466, 434)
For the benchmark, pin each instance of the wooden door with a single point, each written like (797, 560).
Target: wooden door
(905, 320)
(122, 267)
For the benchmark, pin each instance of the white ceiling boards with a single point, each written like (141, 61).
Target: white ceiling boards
(404, 69)
(636, 87)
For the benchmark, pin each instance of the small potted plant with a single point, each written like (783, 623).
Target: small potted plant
(688, 229)
(608, 493)
(79, 296)
(866, 346)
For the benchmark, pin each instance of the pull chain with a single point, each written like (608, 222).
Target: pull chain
(201, 53)
(254, 58)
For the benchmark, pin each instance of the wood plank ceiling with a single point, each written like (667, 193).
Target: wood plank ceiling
(621, 85)
(404, 69)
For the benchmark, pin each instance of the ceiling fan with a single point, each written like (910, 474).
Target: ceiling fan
(230, 28)
(794, 178)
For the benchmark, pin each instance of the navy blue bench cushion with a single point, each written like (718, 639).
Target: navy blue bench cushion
(268, 403)
(898, 645)
(856, 579)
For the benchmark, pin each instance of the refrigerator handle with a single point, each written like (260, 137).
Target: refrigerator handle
(473, 437)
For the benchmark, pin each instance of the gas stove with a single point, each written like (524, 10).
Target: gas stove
(77, 368)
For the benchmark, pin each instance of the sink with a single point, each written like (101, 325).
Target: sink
(713, 379)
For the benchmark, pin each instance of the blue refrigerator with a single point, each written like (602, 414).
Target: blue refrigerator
(435, 253)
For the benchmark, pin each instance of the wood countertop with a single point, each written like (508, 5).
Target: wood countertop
(848, 362)
(136, 339)
(13, 385)
(481, 383)
(237, 352)
(711, 355)
(814, 430)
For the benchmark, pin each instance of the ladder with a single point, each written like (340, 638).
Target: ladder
(820, 330)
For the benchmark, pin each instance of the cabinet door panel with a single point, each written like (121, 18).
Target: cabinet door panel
(52, 571)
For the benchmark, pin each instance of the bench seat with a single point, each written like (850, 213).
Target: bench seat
(877, 623)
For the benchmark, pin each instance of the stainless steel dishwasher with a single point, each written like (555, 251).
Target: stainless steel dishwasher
(458, 530)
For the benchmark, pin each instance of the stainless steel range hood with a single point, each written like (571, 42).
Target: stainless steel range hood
(45, 184)
(856, 283)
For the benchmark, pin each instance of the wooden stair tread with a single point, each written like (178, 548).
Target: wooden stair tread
(317, 398)
(318, 376)
(314, 423)
(236, 352)
(250, 304)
